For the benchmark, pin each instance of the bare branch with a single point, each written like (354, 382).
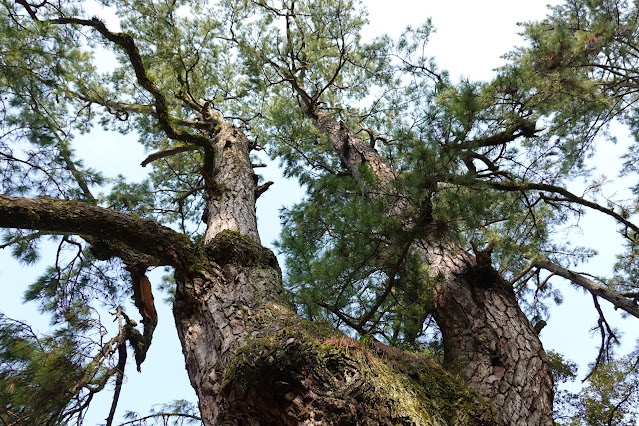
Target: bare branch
(567, 197)
(120, 370)
(263, 188)
(163, 415)
(607, 336)
(168, 153)
(617, 299)
(163, 244)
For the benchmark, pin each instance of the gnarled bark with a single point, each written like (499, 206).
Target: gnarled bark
(252, 360)
(487, 338)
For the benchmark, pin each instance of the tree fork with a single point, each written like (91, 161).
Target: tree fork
(487, 338)
(252, 359)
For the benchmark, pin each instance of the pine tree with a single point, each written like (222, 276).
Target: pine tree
(428, 202)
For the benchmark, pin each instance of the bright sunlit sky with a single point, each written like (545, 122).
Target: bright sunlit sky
(470, 39)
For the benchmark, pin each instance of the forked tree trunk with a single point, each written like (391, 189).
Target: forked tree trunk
(487, 338)
(253, 361)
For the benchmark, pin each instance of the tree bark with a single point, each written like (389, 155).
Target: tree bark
(487, 338)
(231, 198)
(252, 360)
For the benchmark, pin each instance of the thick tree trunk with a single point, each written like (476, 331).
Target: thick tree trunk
(252, 360)
(219, 308)
(487, 338)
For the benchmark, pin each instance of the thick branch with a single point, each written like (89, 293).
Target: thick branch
(115, 107)
(145, 236)
(525, 128)
(596, 289)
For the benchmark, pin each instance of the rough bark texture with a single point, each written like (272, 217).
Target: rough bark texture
(231, 200)
(487, 338)
(253, 361)
(218, 308)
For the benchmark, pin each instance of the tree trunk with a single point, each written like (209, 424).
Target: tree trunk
(252, 360)
(232, 188)
(487, 338)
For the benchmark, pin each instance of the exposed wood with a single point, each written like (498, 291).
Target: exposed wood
(146, 294)
(174, 150)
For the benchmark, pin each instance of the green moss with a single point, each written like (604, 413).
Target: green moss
(231, 247)
(377, 383)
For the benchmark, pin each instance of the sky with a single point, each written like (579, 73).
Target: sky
(470, 39)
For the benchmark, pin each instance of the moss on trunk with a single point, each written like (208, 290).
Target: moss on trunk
(310, 373)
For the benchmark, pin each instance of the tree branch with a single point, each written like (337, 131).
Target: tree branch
(168, 153)
(120, 370)
(163, 415)
(165, 245)
(126, 42)
(568, 196)
(525, 128)
(618, 300)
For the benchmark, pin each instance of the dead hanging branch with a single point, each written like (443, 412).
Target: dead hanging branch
(608, 337)
(120, 367)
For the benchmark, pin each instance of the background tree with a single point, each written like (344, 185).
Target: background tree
(426, 201)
